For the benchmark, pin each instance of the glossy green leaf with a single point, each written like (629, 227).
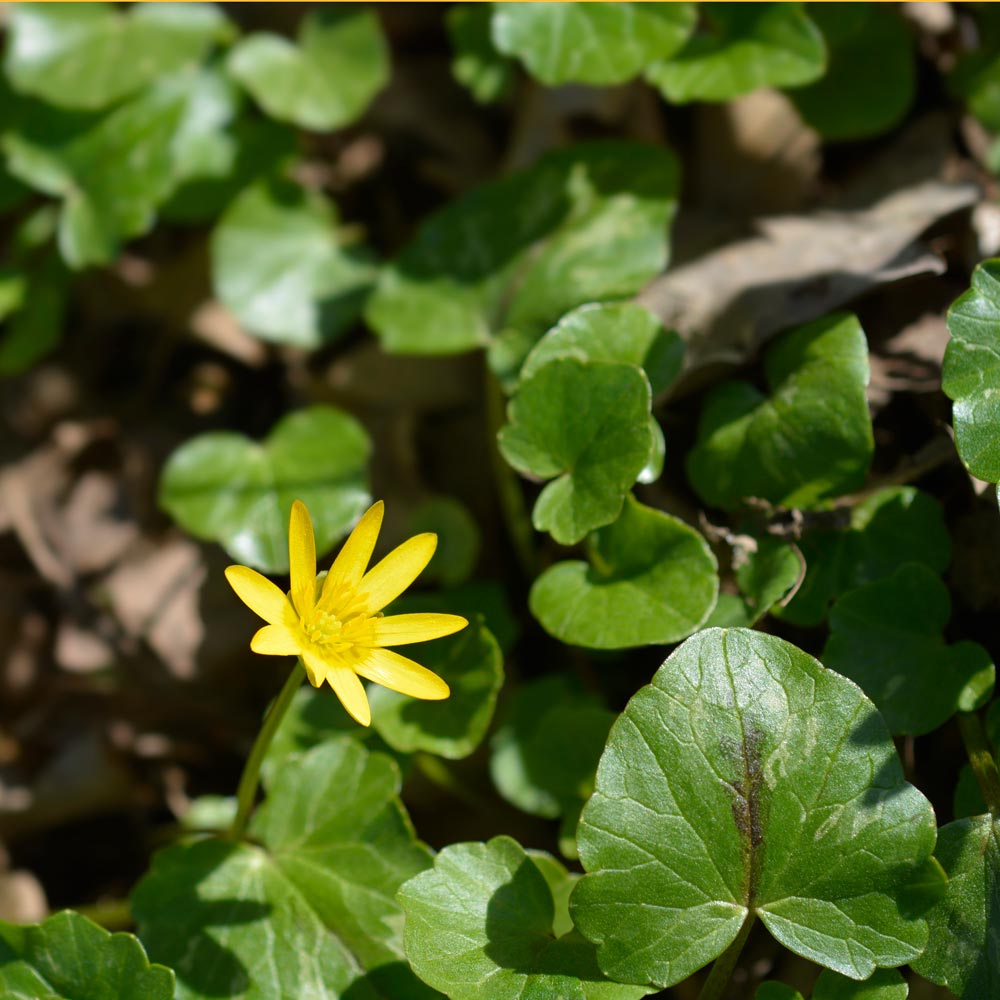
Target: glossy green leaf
(883, 984)
(585, 223)
(871, 80)
(886, 636)
(110, 171)
(477, 65)
(481, 924)
(68, 957)
(970, 375)
(963, 952)
(89, 55)
(767, 575)
(223, 487)
(651, 579)
(740, 47)
(309, 908)
(278, 262)
(543, 757)
(749, 780)
(612, 331)
(472, 665)
(457, 550)
(809, 441)
(895, 525)
(595, 43)
(327, 79)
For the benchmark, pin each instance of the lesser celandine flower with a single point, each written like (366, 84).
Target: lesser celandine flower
(335, 624)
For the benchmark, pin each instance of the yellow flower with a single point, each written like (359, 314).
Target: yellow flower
(335, 624)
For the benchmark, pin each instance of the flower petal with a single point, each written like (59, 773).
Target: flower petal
(387, 580)
(275, 640)
(352, 560)
(398, 673)
(397, 630)
(344, 682)
(302, 558)
(261, 596)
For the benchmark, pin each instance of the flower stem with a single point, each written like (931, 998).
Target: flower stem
(246, 793)
(983, 765)
(722, 970)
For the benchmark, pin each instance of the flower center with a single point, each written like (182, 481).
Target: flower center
(324, 630)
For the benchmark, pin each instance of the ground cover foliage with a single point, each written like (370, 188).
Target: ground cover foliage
(678, 324)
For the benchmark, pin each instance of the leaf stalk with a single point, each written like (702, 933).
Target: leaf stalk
(722, 968)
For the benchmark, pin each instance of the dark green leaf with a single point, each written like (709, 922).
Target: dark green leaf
(595, 43)
(278, 262)
(809, 441)
(455, 557)
(767, 575)
(886, 636)
(772, 990)
(976, 76)
(652, 579)
(585, 223)
(477, 64)
(37, 324)
(68, 958)
(749, 780)
(968, 797)
(740, 47)
(481, 924)
(224, 487)
(327, 79)
(883, 984)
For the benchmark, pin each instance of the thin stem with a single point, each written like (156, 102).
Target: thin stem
(983, 765)
(722, 970)
(246, 793)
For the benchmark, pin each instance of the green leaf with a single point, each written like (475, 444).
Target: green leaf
(308, 909)
(472, 665)
(593, 43)
(809, 441)
(772, 990)
(457, 551)
(767, 575)
(585, 223)
(886, 636)
(597, 451)
(895, 525)
(223, 487)
(967, 799)
(543, 757)
(325, 81)
(37, 325)
(883, 984)
(68, 957)
(749, 780)
(111, 170)
(976, 76)
(606, 331)
(740, 47)
(970, 374)
(477, 64)
(963, 952)
(481, 924)
(652, 579)
(278, 262)
(871, 80)
(90, 55)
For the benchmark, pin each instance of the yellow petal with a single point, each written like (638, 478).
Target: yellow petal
(352, 560)
(275, 640)
(397, 673)
(345, 684)
(302, 558)
(397, 630)
(386, 581)
(261, 596)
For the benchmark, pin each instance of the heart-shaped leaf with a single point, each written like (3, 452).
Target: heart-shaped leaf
(887, 636)
(278, 264)
(652, 579)
(747, 780)
(963, 952)
(68, 957)
(740, 47)
(477, 64)
(809, 441)
(599, 44)
(224, 487)
(482, 924)
(596, 451)
(326, 80)
(585, 223)
(309, 909)
(89, 55)
(970, 374)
